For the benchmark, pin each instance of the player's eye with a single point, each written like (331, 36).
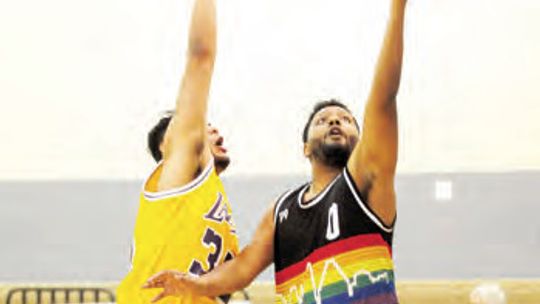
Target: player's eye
(346, 119)
(320, 121)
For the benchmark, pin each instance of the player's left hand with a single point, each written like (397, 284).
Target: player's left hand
(174, 283)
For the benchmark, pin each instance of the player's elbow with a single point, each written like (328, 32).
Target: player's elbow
(202, 50)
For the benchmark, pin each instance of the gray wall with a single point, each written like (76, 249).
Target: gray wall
(81, 230)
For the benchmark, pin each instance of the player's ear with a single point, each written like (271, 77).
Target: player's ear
(162, 147)
(307, 150)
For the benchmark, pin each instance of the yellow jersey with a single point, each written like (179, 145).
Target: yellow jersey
(189, 229)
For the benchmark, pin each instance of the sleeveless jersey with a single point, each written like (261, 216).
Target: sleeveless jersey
(332, 249)
(189, 229)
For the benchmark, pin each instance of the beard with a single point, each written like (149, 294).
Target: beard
(333, 155)
(221, 162)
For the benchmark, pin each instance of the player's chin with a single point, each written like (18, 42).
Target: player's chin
(342, 142)
(221, 161)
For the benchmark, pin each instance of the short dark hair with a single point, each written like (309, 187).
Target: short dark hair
(318, 107)
(156, 134)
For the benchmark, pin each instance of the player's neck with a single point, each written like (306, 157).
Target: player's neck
(321, 175)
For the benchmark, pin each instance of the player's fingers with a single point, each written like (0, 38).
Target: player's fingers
(156, 280)
(158, 297)
(154, 283)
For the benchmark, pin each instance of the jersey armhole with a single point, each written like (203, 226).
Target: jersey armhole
(358, 197)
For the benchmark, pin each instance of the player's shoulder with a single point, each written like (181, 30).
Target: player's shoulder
(286, 198)
(206, 178)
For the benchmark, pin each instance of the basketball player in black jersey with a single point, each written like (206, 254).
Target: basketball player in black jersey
(331, 239)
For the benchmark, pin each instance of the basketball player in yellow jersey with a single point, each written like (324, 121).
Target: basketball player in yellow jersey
(184, 221)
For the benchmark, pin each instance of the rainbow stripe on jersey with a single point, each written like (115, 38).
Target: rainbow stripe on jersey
(355, 270)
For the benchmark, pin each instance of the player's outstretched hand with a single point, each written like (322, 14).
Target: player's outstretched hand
(174, 283)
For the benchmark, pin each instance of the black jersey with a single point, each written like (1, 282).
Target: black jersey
(332, 249)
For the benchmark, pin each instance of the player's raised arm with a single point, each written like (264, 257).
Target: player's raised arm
(373, 162)
(229, 277)
(184, 144)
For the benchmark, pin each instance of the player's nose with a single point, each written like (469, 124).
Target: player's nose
(334, 121)
(213, 130)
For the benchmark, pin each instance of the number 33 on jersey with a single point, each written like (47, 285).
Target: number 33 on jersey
(189, 229)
